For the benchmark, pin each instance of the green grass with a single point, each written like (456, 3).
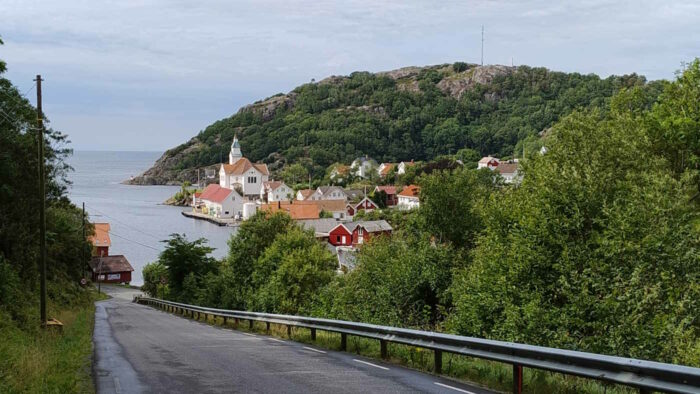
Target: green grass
(488, 374)
(39, 360)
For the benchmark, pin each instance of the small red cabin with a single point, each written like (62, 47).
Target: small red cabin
(111, 269)
(365, 204)
(340, 236)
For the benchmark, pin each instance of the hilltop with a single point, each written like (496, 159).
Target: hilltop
(412, 113)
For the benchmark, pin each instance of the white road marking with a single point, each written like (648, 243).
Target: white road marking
(370, 364)
(250, 335)
(454, 388)
(117, 386)
(275, 339)
(314, 350)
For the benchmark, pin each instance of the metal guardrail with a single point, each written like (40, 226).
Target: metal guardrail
(647, 376)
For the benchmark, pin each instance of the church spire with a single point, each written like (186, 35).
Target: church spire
(235, 153)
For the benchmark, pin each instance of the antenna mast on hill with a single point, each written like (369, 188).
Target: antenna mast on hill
(482, 45)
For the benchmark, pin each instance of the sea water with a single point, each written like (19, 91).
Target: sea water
(138, 218)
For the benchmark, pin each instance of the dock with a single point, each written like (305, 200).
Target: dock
(218, 221)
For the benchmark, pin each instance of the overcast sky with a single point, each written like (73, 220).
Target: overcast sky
(148, 75)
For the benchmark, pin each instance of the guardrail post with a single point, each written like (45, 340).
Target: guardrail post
(250, 324)
(224, 320)
(267, 326)
(289, 331)
(343, 341)
(517, 379)
(438, 361)
(384, 351)
(235, 322)
(313, 334)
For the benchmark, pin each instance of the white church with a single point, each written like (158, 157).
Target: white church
(241, 174)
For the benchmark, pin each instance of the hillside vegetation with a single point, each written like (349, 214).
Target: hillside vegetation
(414, 113)
(32, 359)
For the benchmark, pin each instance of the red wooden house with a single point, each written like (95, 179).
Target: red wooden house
(390, 192)
(365, 231)
(340, 235)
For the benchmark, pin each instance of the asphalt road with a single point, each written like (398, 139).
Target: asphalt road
(142, 349)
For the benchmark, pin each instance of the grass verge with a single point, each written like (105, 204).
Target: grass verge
(488, 374)
(46, 361)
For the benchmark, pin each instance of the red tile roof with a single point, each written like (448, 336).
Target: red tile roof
(387, 167)
(296, 210)
(410, 191)
(243, 165)
(389, 190)
(101, 237)
(507, 168)
(215, 193)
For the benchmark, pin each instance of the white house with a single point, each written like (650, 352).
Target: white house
(509, 171)
(276, 191)
(409, 197)
(241, 174)
(328, 193)
(363, 166)
(401, 168)
(488, 162)
(221, 202)
(305, 194)
(384, 169)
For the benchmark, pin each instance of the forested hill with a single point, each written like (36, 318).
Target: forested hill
(412, 113)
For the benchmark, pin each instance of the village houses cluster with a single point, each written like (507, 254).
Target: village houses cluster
(245, 187)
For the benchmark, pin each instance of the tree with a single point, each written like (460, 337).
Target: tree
(186, 260)
(295, 173)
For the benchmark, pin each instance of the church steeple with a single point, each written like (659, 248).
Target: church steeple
(235, 153)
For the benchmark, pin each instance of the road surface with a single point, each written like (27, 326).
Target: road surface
(142, 349)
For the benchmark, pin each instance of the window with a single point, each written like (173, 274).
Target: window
(337, 238)
(252, 179)
(344, 239)
(359, 231)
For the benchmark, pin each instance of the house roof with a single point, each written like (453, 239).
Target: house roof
(487, 159)
(386, 189)
(320, 226)
(507, 168)
(354, 194)
(296, 211)
(272, 185)
(330, 205)
(306, 193)
(341, 170)
(361, 201)
(408, 163)
(215, 193)
(372, 226)
(101, 237)
(243, 165)
(110, 264)
(387, 167)
(326, 189)
(410, 191)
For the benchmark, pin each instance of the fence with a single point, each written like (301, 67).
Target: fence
(644, 375)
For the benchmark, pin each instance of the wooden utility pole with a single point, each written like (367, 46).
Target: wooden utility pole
(83, 253)
(42, 205)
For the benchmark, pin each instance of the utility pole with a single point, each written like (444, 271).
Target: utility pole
(83, 253)
(482, 45)
(42, 205)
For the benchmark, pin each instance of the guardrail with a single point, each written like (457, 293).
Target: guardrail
(647, 376)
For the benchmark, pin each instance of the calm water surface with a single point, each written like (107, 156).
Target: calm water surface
(139, 220)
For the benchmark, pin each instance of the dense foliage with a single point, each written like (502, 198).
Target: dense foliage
(19, 223)
(391, 120)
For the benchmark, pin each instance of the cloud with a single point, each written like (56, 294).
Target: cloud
(198, 61)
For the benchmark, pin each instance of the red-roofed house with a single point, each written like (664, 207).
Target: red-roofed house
(221, 202)
(409, 197)
(385, 168)
(390, 191)
(101, 241)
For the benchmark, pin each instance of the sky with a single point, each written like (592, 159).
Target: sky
(151, 74)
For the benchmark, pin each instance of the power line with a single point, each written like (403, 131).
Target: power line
(125, 224)
(136, 242)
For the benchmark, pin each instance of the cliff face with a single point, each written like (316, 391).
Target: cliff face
(167, 169)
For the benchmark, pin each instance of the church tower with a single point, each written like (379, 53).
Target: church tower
(235, 153)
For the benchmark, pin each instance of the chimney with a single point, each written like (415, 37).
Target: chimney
(279, 204)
